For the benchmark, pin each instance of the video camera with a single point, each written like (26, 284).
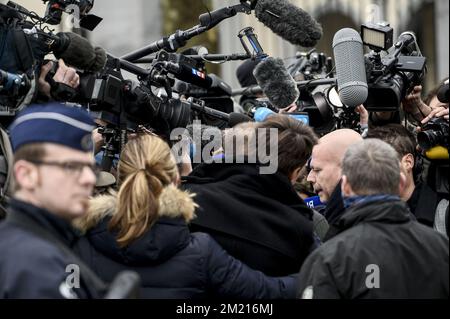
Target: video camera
(433, 137)
(392, 76)
(319, 98)
(25, 41)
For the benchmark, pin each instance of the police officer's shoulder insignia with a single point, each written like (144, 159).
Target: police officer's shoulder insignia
(66, 291)
(308, 293)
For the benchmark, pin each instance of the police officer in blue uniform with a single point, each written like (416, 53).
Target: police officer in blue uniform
(54, 176)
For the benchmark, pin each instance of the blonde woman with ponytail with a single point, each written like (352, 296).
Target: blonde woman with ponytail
(143, 227)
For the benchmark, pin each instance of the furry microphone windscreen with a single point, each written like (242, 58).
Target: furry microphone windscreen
(289, 22)
(276, 83)
(78, 52)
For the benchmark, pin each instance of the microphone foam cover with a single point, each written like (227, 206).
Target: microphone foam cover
(350, 67)
(276, 82)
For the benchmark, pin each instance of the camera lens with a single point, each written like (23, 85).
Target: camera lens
(428, 139)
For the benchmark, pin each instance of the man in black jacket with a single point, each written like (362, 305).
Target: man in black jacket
(379, 251)
(421, 199)
(259, 218)
(54, 177)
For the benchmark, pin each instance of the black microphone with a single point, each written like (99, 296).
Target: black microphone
(232, 118)
(289, 22)
(350, 67)
(442, 93)
(276, 83)
(78, 52)
(238, 118)
(188, 74)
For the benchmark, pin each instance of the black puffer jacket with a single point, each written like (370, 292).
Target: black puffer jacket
(259, 219)
(172, 262)
(378, 252)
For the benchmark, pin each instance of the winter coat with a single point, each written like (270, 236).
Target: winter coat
(259, 219)
(378, 252)
(172, 262)
(33, 267)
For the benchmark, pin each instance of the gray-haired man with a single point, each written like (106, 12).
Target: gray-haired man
(379, 252)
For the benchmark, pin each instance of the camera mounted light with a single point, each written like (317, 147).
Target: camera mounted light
(378, 37)
(55, 8)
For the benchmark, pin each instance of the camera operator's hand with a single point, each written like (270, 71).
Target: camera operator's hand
(363, 115)
(64, 74)
(98, 140)
(435, 113)
(289, 109)
(414, 105)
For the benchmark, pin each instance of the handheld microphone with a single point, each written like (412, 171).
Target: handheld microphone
(78, 52)
(188, 74)
(289, 22)
(313, 202)
(232, 118)
(238, 118)
(350, 67)
(276, 83)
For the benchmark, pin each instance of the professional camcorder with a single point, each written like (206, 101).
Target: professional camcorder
(392, 76)
(26, 40)
(433, 137)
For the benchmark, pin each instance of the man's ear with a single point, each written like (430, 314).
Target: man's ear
(408, 162)
(26, 175)
(346, 188)
(402, 183)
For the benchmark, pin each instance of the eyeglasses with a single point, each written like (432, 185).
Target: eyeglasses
(72, 168)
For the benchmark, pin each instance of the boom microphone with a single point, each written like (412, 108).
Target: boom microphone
(350, 67)
(289, 22)
(78, 52)
(276, 83)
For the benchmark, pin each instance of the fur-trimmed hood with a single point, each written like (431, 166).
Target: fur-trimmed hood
(168, 235)
(173, 203)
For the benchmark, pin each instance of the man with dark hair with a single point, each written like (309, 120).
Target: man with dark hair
(53, 180)
(379, 251)
(421, 199)
(258, 218)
